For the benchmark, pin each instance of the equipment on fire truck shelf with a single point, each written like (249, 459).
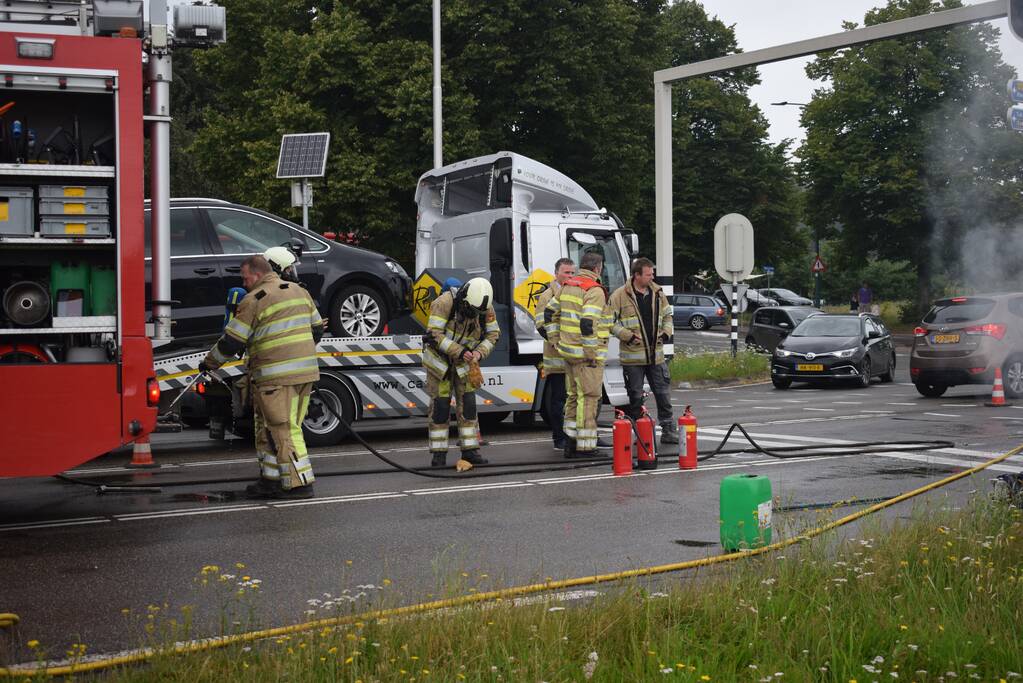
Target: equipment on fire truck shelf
(26, 303)
(16, 211)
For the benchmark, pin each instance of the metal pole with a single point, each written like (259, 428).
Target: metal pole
(438, 140)
(305, 203)
(817, 274)
(158, 75)
(735, 315)
(662, 173)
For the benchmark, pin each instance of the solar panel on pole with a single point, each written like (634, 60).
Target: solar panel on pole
(303, 155)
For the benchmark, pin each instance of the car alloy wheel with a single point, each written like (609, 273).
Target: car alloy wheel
(1012, 378)
(697, 322)
(358, 313)
(865, 371)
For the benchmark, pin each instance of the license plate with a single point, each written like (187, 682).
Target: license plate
(810, 367)
(946, 339)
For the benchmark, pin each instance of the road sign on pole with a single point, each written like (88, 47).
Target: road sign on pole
(818, 265)
(733, 247)
(1015, 117)
(733, 259)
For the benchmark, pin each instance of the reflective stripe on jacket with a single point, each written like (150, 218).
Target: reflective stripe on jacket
(628, 322)
(449, 335)
(579, 312)
(278, 324)
(552, 361)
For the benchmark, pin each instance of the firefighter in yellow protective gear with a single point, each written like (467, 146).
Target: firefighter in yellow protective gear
(462, 329)
(553, 363)
(277, 324)
(579, 327)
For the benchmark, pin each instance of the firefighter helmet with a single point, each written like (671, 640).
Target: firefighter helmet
(477, 294)
(283, 261)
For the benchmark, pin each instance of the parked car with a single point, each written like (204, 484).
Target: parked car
(837, 348)
(698, 311)
(786, 297)
(771, 325)
(963, 340)
(754, 300)
(356, 290)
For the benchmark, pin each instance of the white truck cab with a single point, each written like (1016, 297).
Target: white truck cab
(508, 218)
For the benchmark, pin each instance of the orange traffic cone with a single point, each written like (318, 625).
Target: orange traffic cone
(997, 392)
(142, 454)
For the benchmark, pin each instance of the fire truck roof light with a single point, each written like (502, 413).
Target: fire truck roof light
(36, 48)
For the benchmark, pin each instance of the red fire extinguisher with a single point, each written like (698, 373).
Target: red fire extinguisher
(687, 446)
(646, 455)
(621, 432)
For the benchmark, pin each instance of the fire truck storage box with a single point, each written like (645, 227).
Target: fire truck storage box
(16, 216)
(70, 276)
(73, 191)
(103, 288)
(77, 226)
(75, 206)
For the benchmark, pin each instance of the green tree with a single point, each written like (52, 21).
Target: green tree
(565, 82)
(907, 147)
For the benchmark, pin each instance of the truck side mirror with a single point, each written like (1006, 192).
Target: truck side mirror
(631, 242)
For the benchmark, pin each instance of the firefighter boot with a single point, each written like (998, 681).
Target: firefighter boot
(440, 458)
(669, 432)
(473, 456)
(294, 493)
(569, 448)
(263, 488)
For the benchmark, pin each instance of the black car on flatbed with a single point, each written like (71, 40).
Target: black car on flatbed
(356, 290)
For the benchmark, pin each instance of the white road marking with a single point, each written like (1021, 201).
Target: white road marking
(339, 499)
(793, 400)
(959, 405)
(932, 460)
(848, 403)
(821, 410)
(879, 412)
(942, 415)
(470, 487)
(62, 522)
(718, 406)
(765, 408)
(900, 404)
(187, 513)
(1014, 419)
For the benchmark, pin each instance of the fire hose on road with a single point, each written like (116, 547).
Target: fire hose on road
(142, 655)
(539, 466)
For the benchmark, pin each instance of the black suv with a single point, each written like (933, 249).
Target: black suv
(357, 291)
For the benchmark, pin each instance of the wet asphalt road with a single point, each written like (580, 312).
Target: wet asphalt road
(78, 567)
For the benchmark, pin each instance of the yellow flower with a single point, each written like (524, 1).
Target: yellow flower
(349, 661)
(239, 565)
(348, 562)
(903, 627)
(387, 582)
(940, 627)
(704, 677)
(33, 644)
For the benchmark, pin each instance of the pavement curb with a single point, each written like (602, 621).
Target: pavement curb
(720, 383)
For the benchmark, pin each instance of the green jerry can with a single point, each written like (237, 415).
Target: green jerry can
(69, 288)
(745, 512)
(104, 290)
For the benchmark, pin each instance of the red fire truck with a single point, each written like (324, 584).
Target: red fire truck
(76, 362)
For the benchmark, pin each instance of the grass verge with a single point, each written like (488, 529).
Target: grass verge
(720, 366)
(937, 598)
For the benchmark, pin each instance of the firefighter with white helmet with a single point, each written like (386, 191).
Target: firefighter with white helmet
(278, 326)
(283, 261)
(462, 331)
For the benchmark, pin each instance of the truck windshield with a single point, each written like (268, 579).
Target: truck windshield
(604, 243)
